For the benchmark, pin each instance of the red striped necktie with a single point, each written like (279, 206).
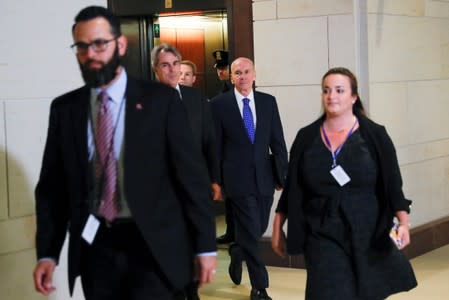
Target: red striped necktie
(105, 163)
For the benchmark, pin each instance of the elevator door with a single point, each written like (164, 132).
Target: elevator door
(190, 43)
(196, 36)
(139, 32)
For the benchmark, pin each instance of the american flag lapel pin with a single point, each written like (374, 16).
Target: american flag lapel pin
(139, 106)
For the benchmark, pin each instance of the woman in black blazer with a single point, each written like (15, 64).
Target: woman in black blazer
(343, 191)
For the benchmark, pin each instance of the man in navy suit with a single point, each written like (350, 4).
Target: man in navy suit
(248, 128)
(144, 249)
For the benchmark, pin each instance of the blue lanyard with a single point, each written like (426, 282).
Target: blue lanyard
(337, 151)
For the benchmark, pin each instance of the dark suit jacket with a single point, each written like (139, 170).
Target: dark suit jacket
(201, 121)
(159, 159)
(246, 168)
(389, 189)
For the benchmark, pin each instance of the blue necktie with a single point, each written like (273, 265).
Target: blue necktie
(248, 120)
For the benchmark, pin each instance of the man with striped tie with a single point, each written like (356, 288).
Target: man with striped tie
(118, 152)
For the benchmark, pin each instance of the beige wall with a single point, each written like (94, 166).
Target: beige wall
(36, 64)
(409, 78)
(400, 52)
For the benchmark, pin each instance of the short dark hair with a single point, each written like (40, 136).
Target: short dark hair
(357, 108)
(92, 12)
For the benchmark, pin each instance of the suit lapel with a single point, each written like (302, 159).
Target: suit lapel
(79, 118)
(189, 102)
(193, 108)
(261, 116)
(133, 105)
(235, 115)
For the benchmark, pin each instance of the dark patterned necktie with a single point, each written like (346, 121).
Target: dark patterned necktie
(248, 120)
(105, 164)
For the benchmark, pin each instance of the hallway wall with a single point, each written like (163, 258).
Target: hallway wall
(400, 52)
(36, 65)
(409, 78)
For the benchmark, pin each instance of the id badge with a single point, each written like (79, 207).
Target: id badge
(340, 175)
(90, 229)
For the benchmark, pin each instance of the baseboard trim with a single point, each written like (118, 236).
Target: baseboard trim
(425, 238)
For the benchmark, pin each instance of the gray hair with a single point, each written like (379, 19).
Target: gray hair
(163, 48)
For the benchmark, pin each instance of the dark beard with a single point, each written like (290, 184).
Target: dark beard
(99, 77)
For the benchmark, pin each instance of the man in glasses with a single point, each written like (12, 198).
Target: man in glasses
(118, 151)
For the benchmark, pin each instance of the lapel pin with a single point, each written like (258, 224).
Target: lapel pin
(139, 106)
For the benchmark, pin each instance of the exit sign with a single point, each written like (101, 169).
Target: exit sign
(168, 4)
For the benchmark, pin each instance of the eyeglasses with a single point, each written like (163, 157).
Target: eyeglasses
(98, 45)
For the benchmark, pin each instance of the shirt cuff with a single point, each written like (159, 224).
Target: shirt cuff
(214, 253)
(47, 259)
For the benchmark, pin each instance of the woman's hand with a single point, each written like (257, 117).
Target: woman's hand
(403, 228)
(403, 235)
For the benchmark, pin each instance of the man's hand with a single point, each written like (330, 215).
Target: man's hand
(278, 240)
(216, 192)
(206, 269)
(278, 243)
(43, 276)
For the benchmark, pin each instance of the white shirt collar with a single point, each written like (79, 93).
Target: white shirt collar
(116, 90)
(179, 90)
(240, 97)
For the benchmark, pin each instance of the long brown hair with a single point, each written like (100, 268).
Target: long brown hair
(357, 108)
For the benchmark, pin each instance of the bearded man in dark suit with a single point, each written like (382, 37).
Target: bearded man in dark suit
(131, 235)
